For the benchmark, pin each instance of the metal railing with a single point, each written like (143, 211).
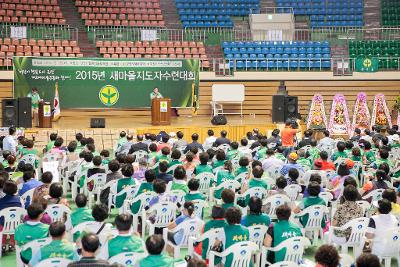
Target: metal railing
(53, 32)
(227, 66)
(214, 36)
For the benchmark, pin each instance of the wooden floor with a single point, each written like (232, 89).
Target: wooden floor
(119, 121)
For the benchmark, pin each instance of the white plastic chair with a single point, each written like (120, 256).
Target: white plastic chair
(274, 171)
(140, 154)
(172, 168)
(29, 159)
(256, 191)
(199, 206)
(392, 247)
(205, 179)
(224, 147)
(51, 157)
(13, 217)
(66, 172)
(228, 184)
(127, 258)
(144, 199)
(356, 239)
(58, 212)
(242, 253)
(374, 194)
(241, 177)
(129, 190)
(293, 191)
(34, 245)
(294, 249)
(346, 260)
(188, 228)
(307, 175)
(179, 194)
(273, 202)
(257, 234)
(284, 264)
(211, 235)
(316, 214)
(27, 196)
(365, 205)
(54, 262)
(162, 214)
(326, 196)
(99, 181)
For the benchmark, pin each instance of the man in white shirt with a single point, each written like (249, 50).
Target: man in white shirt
(380, 226)
(9, 142)
(326, 141)
(271, 160)
(208, 143)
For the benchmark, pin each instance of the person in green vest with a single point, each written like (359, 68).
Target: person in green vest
(228, 198)
(31, 230)
(232, 233)
(222, 176)
(233, 151)
(78, 139)
(349, 146)
(356, 154)
(50, 144)
(105, 157)
(125, 241)
(220, 159)
(121, 141)
(127, 180)
(164, 156)
(58, 247)
(313, 151)
(262, 152)
(147, 186)
(92, 149)
(203, 166)
(313, 190)
(155, 94)
(152, 154)
(179, 183)
(217, 221)
(155, 245)
(175, 158)
(369, 153)
(280, 231)
(90, 245)
(255, 181)
(243, 166)
(341, 146)
(194, 193)
(81, 213)
(383, 158)
(255, 216)
(35, 98)
(29, 150)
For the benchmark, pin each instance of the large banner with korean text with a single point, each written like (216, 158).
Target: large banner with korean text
(108, 83)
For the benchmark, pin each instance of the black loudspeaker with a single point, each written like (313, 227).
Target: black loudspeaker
(284, 107)
(97, 123)
(25, 112)
(9, 112)
(219, 120)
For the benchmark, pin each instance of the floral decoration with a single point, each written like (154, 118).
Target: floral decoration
(316, 116)
(380, 112)
(339, 122)
(361, 115)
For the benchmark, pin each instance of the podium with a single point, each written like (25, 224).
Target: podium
(161, 111)
(45, 120)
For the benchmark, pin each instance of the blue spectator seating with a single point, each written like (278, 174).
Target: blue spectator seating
(214, 13)
(278, 55)
(326, 13)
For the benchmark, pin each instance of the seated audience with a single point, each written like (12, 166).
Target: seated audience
(90, 245)
(155, 245)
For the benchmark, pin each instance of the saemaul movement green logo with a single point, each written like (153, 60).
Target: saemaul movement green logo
(109, 95)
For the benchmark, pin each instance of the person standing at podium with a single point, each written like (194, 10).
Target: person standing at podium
(35, 97)
(155, 94)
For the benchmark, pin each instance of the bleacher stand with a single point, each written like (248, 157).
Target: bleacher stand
(377, 48)
(31, 11)
(331, 13)
(146, 13)
(390, 13)
(31, 47)
(214, 13)
(156, 49)
(281, 55)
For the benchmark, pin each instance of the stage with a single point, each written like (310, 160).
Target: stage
(115, 122)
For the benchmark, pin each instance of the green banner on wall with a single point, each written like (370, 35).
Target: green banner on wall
(367, 64)
(108, 83)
